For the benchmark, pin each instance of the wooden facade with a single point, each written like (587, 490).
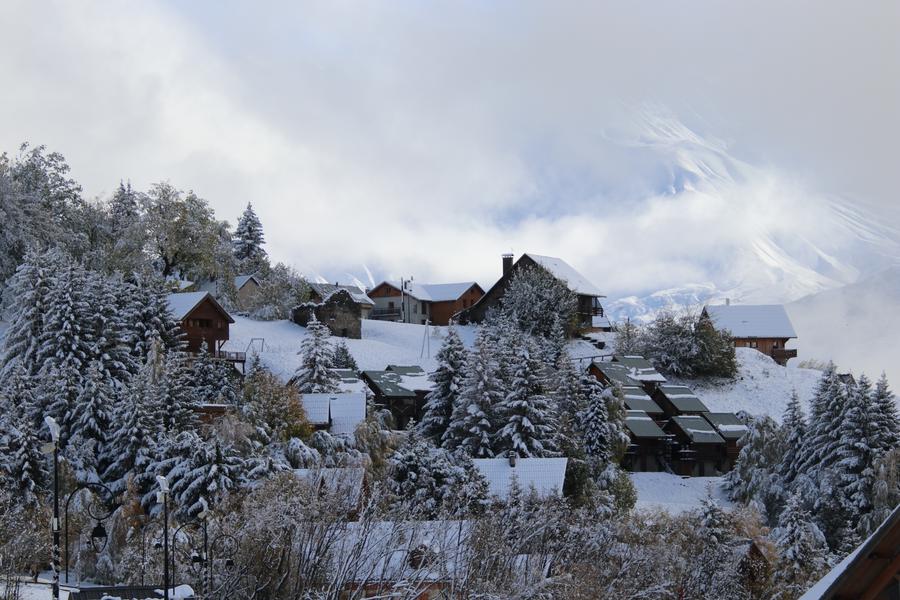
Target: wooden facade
(204, 325)
(442, 312)
(695, 452)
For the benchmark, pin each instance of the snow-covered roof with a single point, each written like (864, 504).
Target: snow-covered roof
(434, 292)
(348, 410)
(682, 398)
(637, 399)
(324, 290)
(546, 475)
(641, 425)
(639, 368)
(316, 407)
(727, 424)
(181, 304)
(406, 369)
(698, 429)
(563, 271)
(241, 280)
(388, 384)
(752, 320)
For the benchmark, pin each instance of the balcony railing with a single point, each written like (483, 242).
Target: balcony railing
(385, 313)
(223, 355)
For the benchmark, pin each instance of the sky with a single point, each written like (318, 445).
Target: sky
(746, 145)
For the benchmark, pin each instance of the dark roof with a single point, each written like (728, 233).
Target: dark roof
(641, 425)
(637, 399)
(615, 373)
(406, 369)
(347, 375)
(697, 429)
(387, 383)
(682, 398)
(727, 424)
(639, 368)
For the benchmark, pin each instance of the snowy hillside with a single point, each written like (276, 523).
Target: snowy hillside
(856, 326)
(676, 494)
(762, 386)
(382, 343)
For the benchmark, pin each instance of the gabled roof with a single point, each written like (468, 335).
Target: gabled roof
(546, 475)
(615, 373)
(241, 280)
(388, 384)
(697, 429)
(563, 271)
(434, 292)
(406, 369)
(752, 320)
(641, 425)
(324, 290)
(316, 407)
(637, 399)
(727, 424)
(182, 304)
(639, 368)
(343, 411)
(682, 398)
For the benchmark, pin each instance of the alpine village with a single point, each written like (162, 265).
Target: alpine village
(182, 418)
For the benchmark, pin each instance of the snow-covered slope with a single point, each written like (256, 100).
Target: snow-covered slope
(382, 343)
(762, 386)
(676, 494)
(857, 326)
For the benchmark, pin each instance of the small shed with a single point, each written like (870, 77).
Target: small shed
(545, 475)
(248, 288)
(319, 292)
(731, 429)
(649, 447)
(699, 450)
(678, 400)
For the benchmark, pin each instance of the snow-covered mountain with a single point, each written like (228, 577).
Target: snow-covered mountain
(755, 234)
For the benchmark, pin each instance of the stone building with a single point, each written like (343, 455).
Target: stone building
(339, 311)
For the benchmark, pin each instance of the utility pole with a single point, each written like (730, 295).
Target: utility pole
(54, 526)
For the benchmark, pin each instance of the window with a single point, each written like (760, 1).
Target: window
(415, 308)
(424, 310)
(391, 305)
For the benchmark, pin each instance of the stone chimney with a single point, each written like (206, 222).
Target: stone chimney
(507, 263)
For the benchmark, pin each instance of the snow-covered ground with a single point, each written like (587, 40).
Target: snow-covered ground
(382, 343)
(762, 386)
(676, 494)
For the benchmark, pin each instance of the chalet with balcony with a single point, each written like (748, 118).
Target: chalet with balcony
(587, 293)
(421, 303)
(204, 324)
(763, 327)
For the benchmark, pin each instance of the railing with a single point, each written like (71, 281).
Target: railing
(385, 313)
(783, 354)
(223, 355)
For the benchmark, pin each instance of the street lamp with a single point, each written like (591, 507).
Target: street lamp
(53, 447)
(163, 497)
(98, 533)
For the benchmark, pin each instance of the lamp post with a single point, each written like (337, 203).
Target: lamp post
(98, 533)
(163, 496)
(53, 447)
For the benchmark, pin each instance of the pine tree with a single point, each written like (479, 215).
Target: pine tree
(793, 432)
(536, 301)
(824, 420)
(110, 332)
(715, 524)
(886, 421)
(628, 339)
(343, 359)
(447, 380)
(181, 396)
(594, 423)
(316, 371)
(803, 551)
(754, 476)
(527, 412)
(144, 305)
(24, 466)
(248, 237)
(207, 471)
(472, 421)
(93, 407)
(857, 450)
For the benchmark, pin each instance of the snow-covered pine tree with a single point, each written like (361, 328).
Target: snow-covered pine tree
(824, 420)
(537, 301)
(716, 525)
(754, 477)
(93, 407)
(884, 412)
(24, 466)
(315, 374)
(472, 420)
(208, 469)
(67, 337)
(144, 304)
(447, 380)
(248, 237)
(528, 414)
(857, 450)
(343, 359)
(181, 397)
(593, 421)
(793, 432)
(110, 332)
(803, 553)
(628, 339)
(210, 381)
(27, 296)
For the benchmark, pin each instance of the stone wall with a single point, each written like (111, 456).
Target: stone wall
(339, 312)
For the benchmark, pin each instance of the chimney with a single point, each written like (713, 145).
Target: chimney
(507, 263)
(727, 301)
(511, 455)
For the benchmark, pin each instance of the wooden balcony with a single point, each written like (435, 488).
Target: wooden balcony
(234, 357)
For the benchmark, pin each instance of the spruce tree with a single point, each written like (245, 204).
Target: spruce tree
(793, 432)
(110, 331)
(248, 237)
(803, 553)
(824, 420)
(472, 422)
(343, 359)
(447, 380)
(25, 468)
(93, 407)
(886, 421)
(857, 450)
(527, 413)
(594, 423)
(209, 470)
(316, 371)
(181, 395)
(754, 476)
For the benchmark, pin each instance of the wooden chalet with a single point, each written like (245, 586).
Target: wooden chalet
(649, 449)
(871, 572)
(732, 430)
(698, 449)
(401, 390)
(319, 292)
(678, 400)
(763, 327)
(204, 324)
(587, 293)
(421, 303)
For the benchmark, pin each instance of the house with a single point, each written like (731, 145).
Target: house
(871, 571)
(649, 447)
(402, 394)
(587, 293)
(319, 292)
(434, 303)
(731, 429)
(764, 327)
(699, 450)
(247, 288)
(677, 400)
(338, 413)
(339, 312)
(545, 475)
(204, 324)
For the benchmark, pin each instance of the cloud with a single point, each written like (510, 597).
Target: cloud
(651, 147)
